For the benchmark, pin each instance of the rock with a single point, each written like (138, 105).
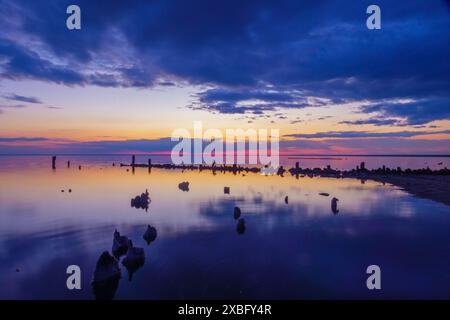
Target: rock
(120, 245)
(150, 234)
(240, 227)
(106, 277)
(134, 259)
(142, 201)
(237, 213)
(334, 208)
(184, 186)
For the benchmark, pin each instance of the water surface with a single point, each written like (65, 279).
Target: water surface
(288, 251)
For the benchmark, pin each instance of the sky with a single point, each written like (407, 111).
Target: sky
(138, 70)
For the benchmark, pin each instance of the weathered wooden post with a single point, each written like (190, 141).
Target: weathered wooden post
(133, 160)
(68, 164)
(54, 162)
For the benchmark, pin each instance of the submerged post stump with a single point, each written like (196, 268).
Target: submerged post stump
(54, 162)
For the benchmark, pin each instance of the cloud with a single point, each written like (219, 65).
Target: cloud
(20, 63)
(25, 145)
(16, 97)
(268, 54)
(382, 145)
(344, 145)
(363, 134)
(415, 113)
(256, 101)
(12, 106)
(22, 139)
(373, 121)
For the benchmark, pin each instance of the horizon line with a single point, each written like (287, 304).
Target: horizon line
(287, 155)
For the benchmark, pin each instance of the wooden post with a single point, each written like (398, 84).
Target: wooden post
(54, 162)
(68, 164)
(133, 160)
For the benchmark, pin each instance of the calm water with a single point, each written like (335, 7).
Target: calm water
(288, 251)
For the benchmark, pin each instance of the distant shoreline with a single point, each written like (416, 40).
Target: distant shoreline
(287, 155)
(424, 183)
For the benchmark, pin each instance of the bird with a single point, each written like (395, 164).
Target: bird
(150, 234)
(334, 208)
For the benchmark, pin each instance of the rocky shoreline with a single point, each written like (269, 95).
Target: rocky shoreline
(424, 183)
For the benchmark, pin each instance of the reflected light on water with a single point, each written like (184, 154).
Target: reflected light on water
(299, 248)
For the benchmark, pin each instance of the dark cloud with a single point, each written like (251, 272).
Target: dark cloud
(22, 139)
(373, 121)
(12, 106)
(389, 145)
(277, 53)
(364, 134)
(416, 112)
(255, 101)
(19, 63)
(16, 97)
(89, 147)
(346, 143)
